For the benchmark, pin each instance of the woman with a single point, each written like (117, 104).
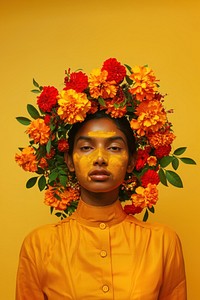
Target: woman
(99, 251)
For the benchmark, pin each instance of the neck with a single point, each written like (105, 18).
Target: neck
(99, 199)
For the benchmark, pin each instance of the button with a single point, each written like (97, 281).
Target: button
(105, 288)
(102, 226)
(103, 253)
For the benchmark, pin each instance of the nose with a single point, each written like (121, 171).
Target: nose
(100, 158)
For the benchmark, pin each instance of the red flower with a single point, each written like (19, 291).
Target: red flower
(150, 176)
(77, 81)
(115, 70)
(132, 209)
(142, 156)
(162, 151)
(48, 98)
(63, 145)
(47, 119)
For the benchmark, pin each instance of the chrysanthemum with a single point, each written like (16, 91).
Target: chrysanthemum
(159, 139)
(100, 86)
(39, 131)
(73, 106)
(77, 81)
(150, 176)
(151, 117)
(60, 197)
(27, 159)
(144, 83)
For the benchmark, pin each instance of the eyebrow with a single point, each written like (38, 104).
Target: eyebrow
(89, 139)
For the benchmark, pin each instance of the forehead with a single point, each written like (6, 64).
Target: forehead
(100, 128)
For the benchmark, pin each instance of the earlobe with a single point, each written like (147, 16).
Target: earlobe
(69, 162)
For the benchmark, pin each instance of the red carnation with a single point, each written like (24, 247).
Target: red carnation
(142, 156)
(132, 209)
(78, 81)
(150, 176)
(63, 145)
(47, 119)
(115, 70)
(162, 151)
(48, 98)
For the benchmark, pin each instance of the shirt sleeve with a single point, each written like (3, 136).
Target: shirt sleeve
(174, 281)
(28, 285)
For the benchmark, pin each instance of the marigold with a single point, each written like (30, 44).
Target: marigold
(77, 81)
(27, 159)
(48, 98)
(162, 151)
(99, 86)
(151, 117)
(142, 156)
(115, 70)
(144, 83)
(60, 197)
(73, 106)
(150, 176)
(63, 145)
(152, 161)
(145, 197)
(39, 131)
(159, 139)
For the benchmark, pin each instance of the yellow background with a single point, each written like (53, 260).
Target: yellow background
(41, 39)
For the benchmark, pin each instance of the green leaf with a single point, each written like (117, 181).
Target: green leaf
(146, 215)
(101, 101)
(174, 178)
(48, 146)
(180, 151)
(33, 111)
(36, 91)
(151, 209)
(31, 182)
(175, 163)
(187, 160)
(63, 180)
(162, 177)
(58, 214)
(51, 209)
(35, 83)
(42, 183)
(165, 161)
(128, 67)
(23, 120)
(128, 80)
(53, 175)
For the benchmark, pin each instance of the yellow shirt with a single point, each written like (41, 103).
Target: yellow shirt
(101, 253)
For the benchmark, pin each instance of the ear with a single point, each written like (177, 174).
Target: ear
(69, 162)
(131, 164)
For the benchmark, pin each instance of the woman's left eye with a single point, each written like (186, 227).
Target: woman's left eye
(114, 148)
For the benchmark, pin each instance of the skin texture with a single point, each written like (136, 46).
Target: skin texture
(100, 160)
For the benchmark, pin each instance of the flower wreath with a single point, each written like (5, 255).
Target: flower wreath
(121, 91)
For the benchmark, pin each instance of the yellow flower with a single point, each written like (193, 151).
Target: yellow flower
(73, 106)
(39, 131)
(152, 161)
(60, 197)
(27, 159)
(144, 83)
(145, 197)
(99, 86)
(161, 139)
(151, 117)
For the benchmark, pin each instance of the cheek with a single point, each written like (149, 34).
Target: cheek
(118, 164)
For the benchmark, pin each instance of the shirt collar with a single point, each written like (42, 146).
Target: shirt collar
(94, 215)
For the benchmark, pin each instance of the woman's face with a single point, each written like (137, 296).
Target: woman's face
(100, 156)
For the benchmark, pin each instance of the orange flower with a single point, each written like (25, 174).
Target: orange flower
(115, 112)
(159, 139)
(73, 106)
(99, 86)
(39, 131)
(60, 197)
(151, 117)
(144, 83)
(152, 161)
(27, 159)
(145, 197)
(43, 163)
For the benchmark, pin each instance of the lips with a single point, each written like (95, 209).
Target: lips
(99, 175)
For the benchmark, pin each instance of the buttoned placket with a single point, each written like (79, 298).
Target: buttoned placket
(105, 260)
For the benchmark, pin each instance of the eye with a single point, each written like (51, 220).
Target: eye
(114, 148)
(86, 148)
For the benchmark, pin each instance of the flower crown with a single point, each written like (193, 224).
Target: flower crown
(120, 91)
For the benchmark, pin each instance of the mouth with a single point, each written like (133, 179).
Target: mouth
(99, 175)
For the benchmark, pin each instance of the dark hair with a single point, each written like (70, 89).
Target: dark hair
(121, 123)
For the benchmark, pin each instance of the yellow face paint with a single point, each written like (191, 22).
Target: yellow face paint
(101, 134)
